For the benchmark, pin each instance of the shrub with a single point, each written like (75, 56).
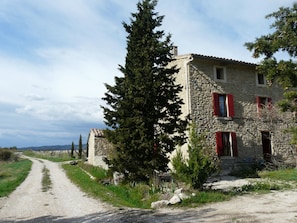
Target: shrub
(179, 164)
(5, 155)
(199, 166)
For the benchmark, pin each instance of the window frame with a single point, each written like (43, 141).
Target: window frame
(260, 105)
(257, 80)
(229, 105)
(232, 142)
(215, 68)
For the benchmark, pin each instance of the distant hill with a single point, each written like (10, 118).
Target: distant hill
(55, 147)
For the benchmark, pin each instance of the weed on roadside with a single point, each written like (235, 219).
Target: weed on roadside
(46, 180)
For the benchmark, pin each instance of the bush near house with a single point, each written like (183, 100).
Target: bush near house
(200, 165)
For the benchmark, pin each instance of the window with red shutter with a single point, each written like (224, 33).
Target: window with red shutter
(269, 101)
(258, 101)
(234, 144)
(230, 105)
(226, 144)
(223, 105)
(215, 102)
(219, 142)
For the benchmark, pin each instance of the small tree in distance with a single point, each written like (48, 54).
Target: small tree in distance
(72, 150)
(80, 147)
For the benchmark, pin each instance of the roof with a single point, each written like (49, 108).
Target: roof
(223, 59)
(219, 59)
(97, 132)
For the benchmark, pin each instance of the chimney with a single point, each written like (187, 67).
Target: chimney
(174, 51)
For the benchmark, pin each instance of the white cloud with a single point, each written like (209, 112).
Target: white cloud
(56, 55)
(218, 28)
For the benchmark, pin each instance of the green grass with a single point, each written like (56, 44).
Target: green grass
(125, 195)
(12, 174)
(46, 180)
(95, 171)
(283, 174)
(204, 197)
(142, 195)
(54, 157)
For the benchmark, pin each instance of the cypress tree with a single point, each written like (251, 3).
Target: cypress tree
(72, 150)
(80, 147)
(144, 108)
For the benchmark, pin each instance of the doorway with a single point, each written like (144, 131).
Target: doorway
(266, 145)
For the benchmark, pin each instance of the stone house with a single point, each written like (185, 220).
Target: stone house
(236, 108)
(98, 148)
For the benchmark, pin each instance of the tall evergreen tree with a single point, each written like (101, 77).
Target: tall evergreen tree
(72, 150)
(144, 108)
(80, 147)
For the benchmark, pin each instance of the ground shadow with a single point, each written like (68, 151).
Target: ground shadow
(142, 216)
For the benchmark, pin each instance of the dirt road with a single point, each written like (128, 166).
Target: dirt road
(64, 202)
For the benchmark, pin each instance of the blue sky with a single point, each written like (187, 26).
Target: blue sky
(55, 56)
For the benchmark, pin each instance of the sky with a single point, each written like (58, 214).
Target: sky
(55, 56)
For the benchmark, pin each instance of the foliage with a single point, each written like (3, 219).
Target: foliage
(141, 195)
(46, 180)
(283, 38)
(12, 174)
(54, 156)
(143, 107)
(204, 197)
(72, 150)
(282, 174)
(96, 171)
(180, 166)
(5, 154)
(123, 195)
(199, 166)
(80, 147)
(264, 186)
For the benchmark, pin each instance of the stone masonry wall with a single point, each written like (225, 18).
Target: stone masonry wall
(241, 82)
(248, 125)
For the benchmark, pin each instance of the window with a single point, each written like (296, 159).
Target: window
(220, 74)
(226, 144)
(223, 105)
(263, 102)
(260, 78)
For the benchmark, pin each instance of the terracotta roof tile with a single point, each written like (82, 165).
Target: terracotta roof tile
(222, 59)
(98, 132)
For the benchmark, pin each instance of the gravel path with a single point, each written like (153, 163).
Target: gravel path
(64, 202)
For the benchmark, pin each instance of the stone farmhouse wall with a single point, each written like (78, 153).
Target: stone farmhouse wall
(249, 122)
(98, 147)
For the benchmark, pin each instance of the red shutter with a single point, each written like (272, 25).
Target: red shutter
(234, 144)
(230, 105)
(215, 102)
(259, 106)
(258, 101)
(219, 141)
(269, 103)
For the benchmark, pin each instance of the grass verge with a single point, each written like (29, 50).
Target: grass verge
(139, 196)
(59, 157)
(204, 197)
(46, 180)
(282, 174)
(12, 174)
